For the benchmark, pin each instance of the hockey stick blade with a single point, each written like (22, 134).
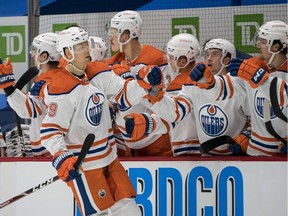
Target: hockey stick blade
(85, 148)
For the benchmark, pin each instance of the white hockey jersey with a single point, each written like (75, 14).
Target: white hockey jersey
(184, 137)
(77, 108)
(33, 108)
(261, 142)
(212, 119)
(148, 56)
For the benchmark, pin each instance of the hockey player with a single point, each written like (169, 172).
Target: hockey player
(254, 82)
(182, 52)
(77, 107)
(131, 55)
(212, 119)
(218, 55)
(46, 58)
(98, 49)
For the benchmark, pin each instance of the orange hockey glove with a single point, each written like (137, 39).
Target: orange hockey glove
(198, 73)
(248, 71)
(122, 70)
(6, 74)
(241, 143)
(149, 76)
(139, 125)
(63, 162)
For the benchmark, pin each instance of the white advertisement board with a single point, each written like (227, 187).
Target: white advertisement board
(178, 188)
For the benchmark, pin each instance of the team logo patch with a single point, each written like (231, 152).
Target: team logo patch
(259, 106)
(94, 108)
(101, 193)
(213, 120)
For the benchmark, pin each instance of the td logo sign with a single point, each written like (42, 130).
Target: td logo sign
(13, 42)
(186, 25)
(245, 28)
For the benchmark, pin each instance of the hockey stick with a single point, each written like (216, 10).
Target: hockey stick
(24, 80)
(213, 143)
(268, 122)
(85, 148)
(26, 77)
(274, 101)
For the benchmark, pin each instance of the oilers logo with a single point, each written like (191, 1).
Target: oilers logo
(94, 109)
(259, 106)
(213, 120)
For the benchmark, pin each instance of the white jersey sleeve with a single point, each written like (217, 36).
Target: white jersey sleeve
(118, 90)
(25, 105)
(176, 108)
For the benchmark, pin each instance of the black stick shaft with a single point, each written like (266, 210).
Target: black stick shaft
(85, 148)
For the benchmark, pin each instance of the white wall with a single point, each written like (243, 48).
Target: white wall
(260, 188)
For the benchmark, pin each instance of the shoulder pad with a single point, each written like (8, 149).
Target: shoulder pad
(94, 68)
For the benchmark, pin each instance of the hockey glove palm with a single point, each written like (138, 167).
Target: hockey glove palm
(6, 74)
(63, 162)
(139, 125)
(248, 71)
(198, 73)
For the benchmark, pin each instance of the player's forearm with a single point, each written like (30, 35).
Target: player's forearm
(171, 109)
(24, 105)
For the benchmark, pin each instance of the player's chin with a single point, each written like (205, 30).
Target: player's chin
(114, 48)
(261, 56)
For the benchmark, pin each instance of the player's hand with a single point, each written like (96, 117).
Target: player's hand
(241, 143)
(63, 162)
(282, 148)
(36, 88)
(150, 76)
(6, 74)
(200, 71)
(248, 71)
(234, 66)
(151, 79)
(138, 125)
(122, 70)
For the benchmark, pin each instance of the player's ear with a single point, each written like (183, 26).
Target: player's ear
(226, 60)
(276, 47)
(67, 53)
(182, 61)
(43, 57)
(125, 36)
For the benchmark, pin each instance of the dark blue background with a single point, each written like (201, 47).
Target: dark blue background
(19, 7)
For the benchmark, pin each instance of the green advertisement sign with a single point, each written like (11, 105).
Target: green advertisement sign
(245, 29)
(61, 26)
(13, 43)
(186, 25)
